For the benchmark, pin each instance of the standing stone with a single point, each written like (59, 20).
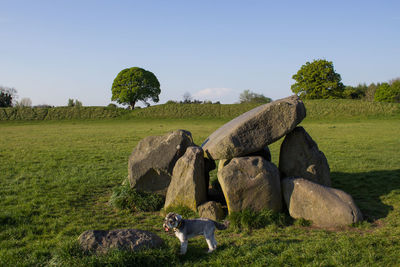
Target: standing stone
(254, 130)
(300, 156)
(187, 186)
(152, 161)
(324, 206)
(211, 210)
(251, 182)
(101, 241)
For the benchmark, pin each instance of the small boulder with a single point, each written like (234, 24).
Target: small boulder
(101, 241)
(152, 161)
(324, 206)
(300, 156)
(211, 210)
(187, 187)
(254, 130)
(250, 182)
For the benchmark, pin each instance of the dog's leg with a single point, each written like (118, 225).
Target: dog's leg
(184, 245)
(214, 241)
(211, 242)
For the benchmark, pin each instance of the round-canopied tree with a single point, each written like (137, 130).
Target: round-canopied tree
(317, 80)
(135, 84)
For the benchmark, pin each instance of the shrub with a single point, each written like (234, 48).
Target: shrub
(112, 106)
(124, 197)
(388, 92)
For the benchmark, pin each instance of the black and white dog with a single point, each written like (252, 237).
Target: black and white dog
(185, 229)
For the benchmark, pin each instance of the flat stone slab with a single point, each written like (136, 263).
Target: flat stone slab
(254, 130)
(101, 241)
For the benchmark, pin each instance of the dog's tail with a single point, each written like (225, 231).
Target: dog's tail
(221, 226)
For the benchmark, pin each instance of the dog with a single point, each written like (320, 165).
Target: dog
(185, 229)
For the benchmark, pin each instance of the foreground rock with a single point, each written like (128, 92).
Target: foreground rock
(152, 161)
(100, 241)
(300, 156)
(187, 186)
(254, 130)
(250, 182)
(211, 210)
(324, 206)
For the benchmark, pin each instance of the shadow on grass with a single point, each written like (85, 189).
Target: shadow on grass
(367, 190)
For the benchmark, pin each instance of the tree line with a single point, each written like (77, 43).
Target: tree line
(319, 80)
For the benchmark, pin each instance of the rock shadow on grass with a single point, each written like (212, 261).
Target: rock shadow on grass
(367, 190)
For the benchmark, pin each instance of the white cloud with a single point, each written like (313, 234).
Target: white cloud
(212, 94)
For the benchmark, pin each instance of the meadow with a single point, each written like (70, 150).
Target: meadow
(57, 178)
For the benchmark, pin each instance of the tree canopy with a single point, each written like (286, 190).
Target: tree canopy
(7, 95)
(317, 80)
(135, 84)
(248, 96)
(388, 92)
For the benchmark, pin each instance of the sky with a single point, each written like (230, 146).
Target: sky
(51, 51)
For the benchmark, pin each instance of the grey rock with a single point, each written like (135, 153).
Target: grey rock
(250, 182)
(300, 156)
(211, 210)
(152, 161)
(101, 241)
(254, 130)
(324, 206)
(187, 187)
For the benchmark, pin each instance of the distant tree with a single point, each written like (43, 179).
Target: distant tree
(112, 106)
(135, 84)
(71, 103)
(370, 93)
(388, 92)
(78, 103)
(24, 103)
(43, 106)
(248, 96)
(356, 92)
(187, 98)
(7, 95)
(317, 80)
(74, 103)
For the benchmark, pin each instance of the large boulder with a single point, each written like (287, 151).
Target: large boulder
(187, 187)
(101, 241)
(324, 206)
(300, 156)
(254, 130)
(152, 161)
(211, 210)
(250, 182)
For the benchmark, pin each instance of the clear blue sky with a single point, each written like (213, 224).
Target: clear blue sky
(54, 50)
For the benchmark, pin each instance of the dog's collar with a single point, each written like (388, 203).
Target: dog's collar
(180, 224)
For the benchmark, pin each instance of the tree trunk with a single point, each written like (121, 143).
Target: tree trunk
(132, 105)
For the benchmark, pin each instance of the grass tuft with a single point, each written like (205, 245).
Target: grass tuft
(124, 197)
(249, 219)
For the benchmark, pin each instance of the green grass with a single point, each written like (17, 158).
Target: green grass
(57, 178)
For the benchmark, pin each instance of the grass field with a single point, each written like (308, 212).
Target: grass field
(57, 177)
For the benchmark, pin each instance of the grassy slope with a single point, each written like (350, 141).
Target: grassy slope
(57, 178)
(316, 110)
